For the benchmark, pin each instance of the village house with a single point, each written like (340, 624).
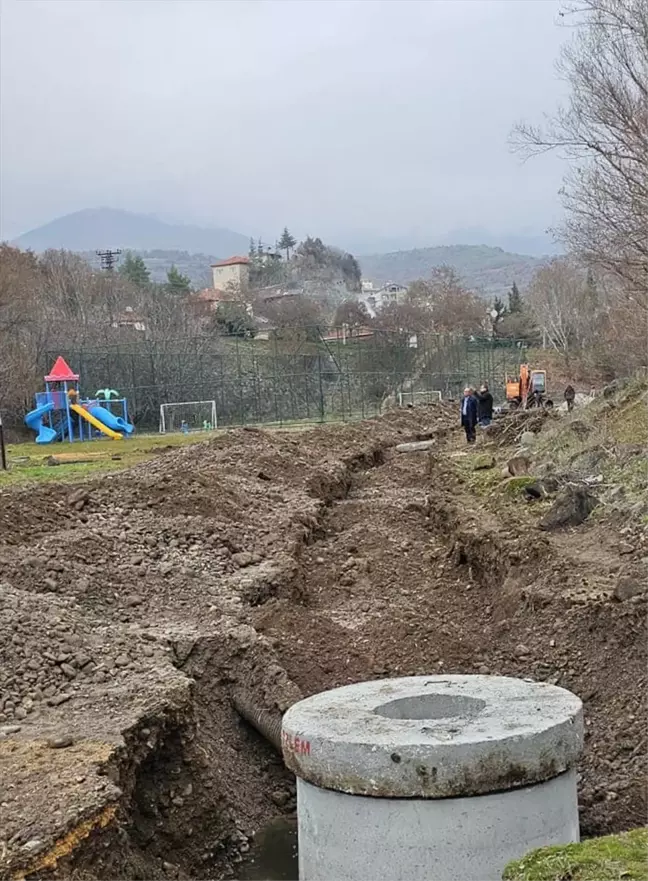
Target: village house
(375, 299)
(129, 319)
(208, 300)
(233, 272)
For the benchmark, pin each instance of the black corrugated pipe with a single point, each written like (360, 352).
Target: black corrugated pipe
(266, 723)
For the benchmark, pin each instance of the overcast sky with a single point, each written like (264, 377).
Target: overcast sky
(332, 116)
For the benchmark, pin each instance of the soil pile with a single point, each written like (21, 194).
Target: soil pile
(109, 590)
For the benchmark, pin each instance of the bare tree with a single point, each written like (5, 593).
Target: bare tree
(451, 306)
(351, 312)
(566, 305)
(603, 131)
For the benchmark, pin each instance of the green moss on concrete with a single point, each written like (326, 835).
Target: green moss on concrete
(622, 857)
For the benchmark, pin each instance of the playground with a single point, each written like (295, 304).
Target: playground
(62, 415)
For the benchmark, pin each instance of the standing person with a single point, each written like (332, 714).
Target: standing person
(485, 405)
(569, 396)
(469, 414)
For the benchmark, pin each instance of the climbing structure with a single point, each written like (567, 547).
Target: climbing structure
(60, 414)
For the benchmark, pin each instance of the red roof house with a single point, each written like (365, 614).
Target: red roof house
(232, 261)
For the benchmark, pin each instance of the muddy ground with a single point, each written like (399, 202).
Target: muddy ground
(133, 607)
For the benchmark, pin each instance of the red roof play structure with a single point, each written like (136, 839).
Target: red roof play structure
(61, 372)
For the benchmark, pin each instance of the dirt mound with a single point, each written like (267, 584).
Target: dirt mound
(108, 591)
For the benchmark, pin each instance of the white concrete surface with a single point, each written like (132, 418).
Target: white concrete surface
(432, 777)
(352, 838)
(433, 736)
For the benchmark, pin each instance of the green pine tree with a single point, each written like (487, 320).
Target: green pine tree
(287, 242)
(134, 270)
(515, 303)
(177, 283)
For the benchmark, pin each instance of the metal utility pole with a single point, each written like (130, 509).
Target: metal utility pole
(3, 452)
(108, 259)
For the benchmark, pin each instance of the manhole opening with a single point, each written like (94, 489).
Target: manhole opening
(431, 706)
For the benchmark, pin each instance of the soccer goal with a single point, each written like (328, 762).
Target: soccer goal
(430, 396)
(187, 416)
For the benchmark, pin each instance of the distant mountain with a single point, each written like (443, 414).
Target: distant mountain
(109, 228)
(534, 244)
(490, 271)
(522, 242)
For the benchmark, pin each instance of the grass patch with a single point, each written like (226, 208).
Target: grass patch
(28, 462)
(619, 420)
(482, 481)
(622, 857)
(513, 486)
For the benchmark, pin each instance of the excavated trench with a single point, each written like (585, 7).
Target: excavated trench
(193, 782)
(392, 576)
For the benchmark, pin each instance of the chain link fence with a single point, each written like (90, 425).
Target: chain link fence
(291, 375)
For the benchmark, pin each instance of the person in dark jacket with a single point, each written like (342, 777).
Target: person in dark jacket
(570, 396)
(469, 414)
(485, 405)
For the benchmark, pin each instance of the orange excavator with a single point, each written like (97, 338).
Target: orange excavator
(528, 390)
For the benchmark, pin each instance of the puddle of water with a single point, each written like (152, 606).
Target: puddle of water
(273, 855)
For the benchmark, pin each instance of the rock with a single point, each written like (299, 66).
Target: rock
(61, 742)
(243, 559)
(58, 700)
(69, 671)
(78, 496)
(122, 661)
(571, 508)
(50, 583)
(416, 446)
(82, 659)
(519, 465)
(550, 484)
(134, 600)
(32, 846)
(8, 730)
(527, 438)
(522, 650)
(629, 586)
(534, 491)
(279, 797)
(165, 568)
(484, 462)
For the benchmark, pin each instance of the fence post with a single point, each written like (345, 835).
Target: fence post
(3, 452)
(321, 387)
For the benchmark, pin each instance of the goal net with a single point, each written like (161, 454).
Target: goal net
(187, 416)
(431, 396)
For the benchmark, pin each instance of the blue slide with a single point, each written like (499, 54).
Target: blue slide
(109, 419)
(34, 420)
